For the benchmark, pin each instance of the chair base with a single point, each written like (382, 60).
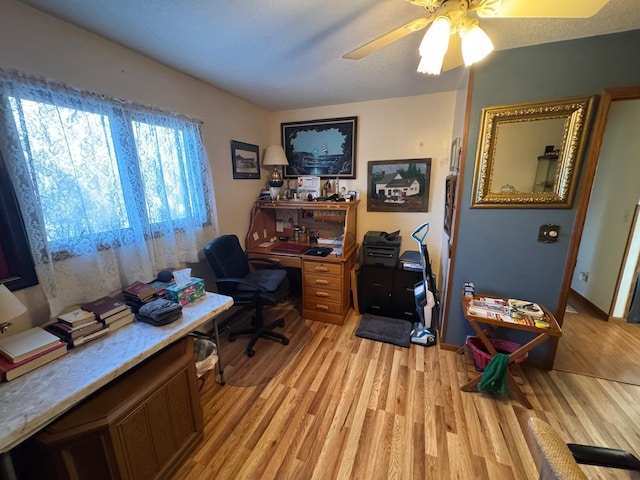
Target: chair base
(257, 332)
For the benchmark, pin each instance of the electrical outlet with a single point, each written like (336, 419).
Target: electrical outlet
(584, 276)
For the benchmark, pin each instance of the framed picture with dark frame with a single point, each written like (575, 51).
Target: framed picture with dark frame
(324, 148)
(398, 185)
(449, 202)
(245, 159)
(456, 151)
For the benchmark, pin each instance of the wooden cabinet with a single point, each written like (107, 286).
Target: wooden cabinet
(142, 426)
(326, 281)
(388, 291)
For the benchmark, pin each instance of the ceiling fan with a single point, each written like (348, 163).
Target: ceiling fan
(454, 37)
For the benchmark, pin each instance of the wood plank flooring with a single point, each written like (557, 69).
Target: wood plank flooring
(331, 405)
(594, 347)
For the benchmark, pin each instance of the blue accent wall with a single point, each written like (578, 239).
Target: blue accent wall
(497, 249)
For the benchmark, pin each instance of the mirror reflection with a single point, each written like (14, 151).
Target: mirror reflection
(528, 154)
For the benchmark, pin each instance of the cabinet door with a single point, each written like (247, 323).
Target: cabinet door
(375, 287)
(404, 304)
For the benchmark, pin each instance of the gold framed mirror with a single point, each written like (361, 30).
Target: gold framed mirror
(528, 154)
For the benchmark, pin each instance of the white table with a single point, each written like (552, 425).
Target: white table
(31, 402)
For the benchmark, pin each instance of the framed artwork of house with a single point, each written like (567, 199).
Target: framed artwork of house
(398, 185)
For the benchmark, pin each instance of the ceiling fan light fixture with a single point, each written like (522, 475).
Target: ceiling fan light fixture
(431, 63)
(437, 37)
(476, 44)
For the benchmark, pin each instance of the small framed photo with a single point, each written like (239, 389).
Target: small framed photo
(245, 159)
(456, 151)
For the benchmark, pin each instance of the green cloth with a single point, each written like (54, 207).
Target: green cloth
(494, 378)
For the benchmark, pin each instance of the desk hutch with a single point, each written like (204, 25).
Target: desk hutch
(326, 281)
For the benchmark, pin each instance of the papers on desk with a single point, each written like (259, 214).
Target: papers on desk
(266, 244)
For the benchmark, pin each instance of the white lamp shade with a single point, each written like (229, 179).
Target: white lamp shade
(434, 46)
(10, 306)
(274, 155)
(476, 44)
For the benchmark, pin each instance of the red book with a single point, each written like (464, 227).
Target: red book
(9, 370)
(103, 307)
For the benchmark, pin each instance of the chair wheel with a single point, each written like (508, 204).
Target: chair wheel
(285, 341)
(281, 323)
(250, 352)
(232, 338)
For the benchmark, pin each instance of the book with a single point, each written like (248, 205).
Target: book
(76, 317)
(9, 370)
(26, 344)
(526, 307)
(139, 290)
(68, 333)
(103, 307)
(76, 342)
(122, 322)
(116, 316)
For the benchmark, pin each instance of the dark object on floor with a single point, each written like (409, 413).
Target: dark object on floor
(385, 329)
(250, 288)
(559, 460)
(159, 312)
(319, 251)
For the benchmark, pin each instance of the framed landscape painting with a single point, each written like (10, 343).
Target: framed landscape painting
(324, 148)
(245, 159)
(398, 185)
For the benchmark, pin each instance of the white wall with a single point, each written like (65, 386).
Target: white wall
(615, 193)
(394, 129)
(38, 44)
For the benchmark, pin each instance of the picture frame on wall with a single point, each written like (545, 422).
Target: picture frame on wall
(324, 148)
(449, 202)
(456, 151)
(245, 159)
(398, 185)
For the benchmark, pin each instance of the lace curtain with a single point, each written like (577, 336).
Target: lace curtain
(110, 192)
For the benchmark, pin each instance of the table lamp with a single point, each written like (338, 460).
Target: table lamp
(274, 156)
(10, 308)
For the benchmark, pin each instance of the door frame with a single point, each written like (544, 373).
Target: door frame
(607, 97)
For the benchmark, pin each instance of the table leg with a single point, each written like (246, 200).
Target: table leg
(217, 336)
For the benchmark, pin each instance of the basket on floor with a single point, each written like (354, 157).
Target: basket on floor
(481, 356)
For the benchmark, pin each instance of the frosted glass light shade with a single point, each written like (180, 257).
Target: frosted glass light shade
(476, 44)
(434, 46)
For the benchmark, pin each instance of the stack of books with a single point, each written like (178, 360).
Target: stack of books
(139, 293)
(28, 350)
(110, 312)
(76, 327)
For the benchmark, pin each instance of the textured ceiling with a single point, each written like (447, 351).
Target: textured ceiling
(287, 54)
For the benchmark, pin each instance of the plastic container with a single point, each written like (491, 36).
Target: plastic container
(205, 355)
(481, 356)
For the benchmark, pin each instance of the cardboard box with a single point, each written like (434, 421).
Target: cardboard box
(186, 293)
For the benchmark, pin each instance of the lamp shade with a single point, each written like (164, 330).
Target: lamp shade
(434, 46)
(10, 306)
(476, 44)
(274, 155)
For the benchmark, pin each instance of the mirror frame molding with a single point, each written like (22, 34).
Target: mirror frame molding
(576, 111)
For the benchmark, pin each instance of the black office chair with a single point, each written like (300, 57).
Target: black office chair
(251, 288)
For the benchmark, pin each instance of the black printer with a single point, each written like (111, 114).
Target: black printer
(381, 248)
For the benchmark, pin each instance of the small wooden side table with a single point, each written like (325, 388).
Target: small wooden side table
(485, 328)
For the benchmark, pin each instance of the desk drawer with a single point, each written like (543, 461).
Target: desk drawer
(313, 293)
(322, 268)
(285, 261)
(323, 281)
(324, 305)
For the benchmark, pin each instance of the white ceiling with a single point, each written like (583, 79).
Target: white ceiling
(287, 54)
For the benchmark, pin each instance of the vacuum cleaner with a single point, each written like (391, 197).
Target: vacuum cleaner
(425, 293)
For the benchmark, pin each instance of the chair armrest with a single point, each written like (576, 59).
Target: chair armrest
(241, 281)
(266, 261)
(604, 457)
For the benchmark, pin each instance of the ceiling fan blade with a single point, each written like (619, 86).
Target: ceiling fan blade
(546, 9)
(388, 38)
(453, 57)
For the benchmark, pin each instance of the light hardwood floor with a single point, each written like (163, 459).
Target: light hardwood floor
(333, 406)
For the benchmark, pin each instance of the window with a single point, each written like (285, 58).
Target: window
(103, 183)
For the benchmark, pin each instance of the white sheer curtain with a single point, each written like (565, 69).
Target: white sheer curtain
(110, 192)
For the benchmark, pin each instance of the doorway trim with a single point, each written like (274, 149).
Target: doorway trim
(607, 97)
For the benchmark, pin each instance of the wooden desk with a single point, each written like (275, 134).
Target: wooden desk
(30, 402)
(485, 328)
(326, 281)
